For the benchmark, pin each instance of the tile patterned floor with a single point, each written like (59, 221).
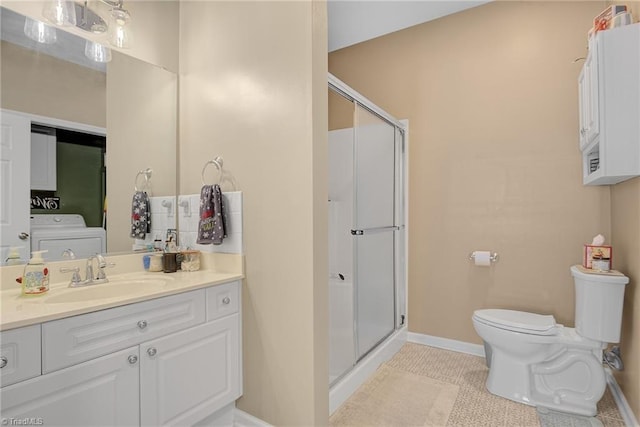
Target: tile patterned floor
(475, 406)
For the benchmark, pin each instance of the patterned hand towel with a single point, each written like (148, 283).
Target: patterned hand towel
(212, 225)
(140, 215)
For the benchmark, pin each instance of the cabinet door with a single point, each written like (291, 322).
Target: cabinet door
(592, 122)
(188, 375)
(19, 354)
(43, 162)
(103, 391)
(583, 104)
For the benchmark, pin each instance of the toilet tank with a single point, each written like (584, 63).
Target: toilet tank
(599, 300)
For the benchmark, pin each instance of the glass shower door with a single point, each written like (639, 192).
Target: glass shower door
(341, 271)
(373, 229)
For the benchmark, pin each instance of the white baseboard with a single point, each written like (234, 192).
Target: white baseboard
(243, 419)
(478, 350)
(446, 344)
(347, 385)
(623, 406)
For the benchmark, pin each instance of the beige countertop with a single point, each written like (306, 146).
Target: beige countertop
(128, 284)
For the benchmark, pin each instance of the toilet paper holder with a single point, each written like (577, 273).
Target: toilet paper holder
(494, 257)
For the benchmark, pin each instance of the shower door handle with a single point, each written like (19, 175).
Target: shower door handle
(374, 230)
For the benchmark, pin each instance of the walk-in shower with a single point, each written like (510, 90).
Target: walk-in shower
(366, 228)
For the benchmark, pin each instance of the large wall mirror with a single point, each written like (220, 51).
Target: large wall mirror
(111, 120)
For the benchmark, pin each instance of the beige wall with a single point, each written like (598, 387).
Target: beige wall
(625, 224)
(491, 98)
(35, 83)
(154, 27)
(494, 164)
(253, 90)
(625, 229)
(141, 133)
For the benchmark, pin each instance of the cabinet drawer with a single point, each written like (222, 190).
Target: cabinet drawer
(223, 300)
(20, 354)
(80, 338)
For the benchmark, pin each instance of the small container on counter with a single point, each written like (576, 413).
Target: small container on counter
(190, 260)
(146, 262)
(155, 262)
(170, 262)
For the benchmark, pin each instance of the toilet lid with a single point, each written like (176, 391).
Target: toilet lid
(518, 321)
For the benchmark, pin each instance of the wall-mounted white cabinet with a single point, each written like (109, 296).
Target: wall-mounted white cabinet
(609, 90)
(43, 162)
(168, 361)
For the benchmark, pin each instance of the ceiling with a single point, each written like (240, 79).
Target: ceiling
(354, 21)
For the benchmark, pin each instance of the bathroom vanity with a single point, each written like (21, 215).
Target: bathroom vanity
(167, 350)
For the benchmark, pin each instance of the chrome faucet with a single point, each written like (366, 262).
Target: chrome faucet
(100, 277)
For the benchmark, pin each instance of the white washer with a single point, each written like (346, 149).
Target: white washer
(59, 232)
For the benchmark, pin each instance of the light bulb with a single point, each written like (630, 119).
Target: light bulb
(60, 12)
(97, 52)
(119, 30)
(39, 31)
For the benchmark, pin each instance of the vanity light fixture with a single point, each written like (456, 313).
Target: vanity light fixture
(39, 31)
(80, 15)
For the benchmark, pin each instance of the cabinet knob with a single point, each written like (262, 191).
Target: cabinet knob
(226, 300)
(142, 324)
(133, 359)
(23, 236)
(3, 362)
(151, 351)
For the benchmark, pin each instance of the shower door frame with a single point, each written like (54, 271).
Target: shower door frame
(400, 214)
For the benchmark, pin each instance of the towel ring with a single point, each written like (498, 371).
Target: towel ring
(217, 162)
(147, 176)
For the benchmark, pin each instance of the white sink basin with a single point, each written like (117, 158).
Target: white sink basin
(114, 288)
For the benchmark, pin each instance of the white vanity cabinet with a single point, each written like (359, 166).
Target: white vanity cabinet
(609, 90)
(167, 361)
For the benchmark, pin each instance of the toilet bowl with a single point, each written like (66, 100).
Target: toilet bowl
(538, 362)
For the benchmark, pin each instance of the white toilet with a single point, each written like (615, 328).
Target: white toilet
(538, 362)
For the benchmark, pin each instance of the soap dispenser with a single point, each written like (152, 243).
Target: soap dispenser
(35, 280)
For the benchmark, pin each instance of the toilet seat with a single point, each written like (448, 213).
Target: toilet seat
(518, 321)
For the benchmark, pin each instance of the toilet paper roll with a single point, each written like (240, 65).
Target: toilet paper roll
(482, 258)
